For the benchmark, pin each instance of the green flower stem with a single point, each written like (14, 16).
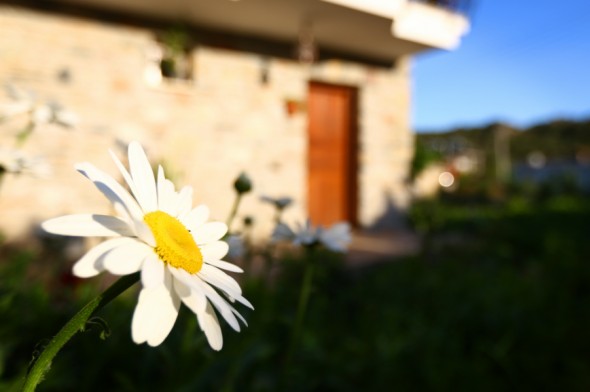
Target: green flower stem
(234, 210)
(306, 287)
(76, 323)
(23, 135)
(278, 215)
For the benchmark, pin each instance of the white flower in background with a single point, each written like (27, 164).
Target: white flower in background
(280, 203)
(156, 231)
(53, 112)
(302, 235)
(62, 116)
(10, 160)
(13, 109)
(16, 162)
(41, 113)
(336, 238)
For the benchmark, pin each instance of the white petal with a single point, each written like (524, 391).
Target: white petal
(221, 305)
(341, 228)
(199, 286)
(196, 217)
(145, 233)
(185, 201)
(193, 299)
(126, 258)
(66, 118)
(185, 278)
(112, 190)
(160, 184)
(209, 232)
(210, 325)
(14, 109)
(155, 314)
(42, 115)
(306, 234)
(166, 195)
(242, 319)
(87, 225)
(91, 263)
(336, 238)
(214, 250)
(224, 265)
(208, 290)
(143, 177)
(220, 279)
(124, 173)
(152, 272)
(242, 300)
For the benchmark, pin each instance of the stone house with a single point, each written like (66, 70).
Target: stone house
(311, 98)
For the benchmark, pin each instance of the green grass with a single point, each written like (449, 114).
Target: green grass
(499, 300)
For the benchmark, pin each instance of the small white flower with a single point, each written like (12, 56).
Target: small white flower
(336, 238)
(10, 160)
(62, 116)
(156, 231)
(41, 113)
(54, 113)
(304, 234)
(16, 162)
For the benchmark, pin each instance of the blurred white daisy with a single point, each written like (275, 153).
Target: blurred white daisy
(336, 238)
(156, 231)
(16, 162)
(41, 113)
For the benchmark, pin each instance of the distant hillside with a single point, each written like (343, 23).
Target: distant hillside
(557, 140)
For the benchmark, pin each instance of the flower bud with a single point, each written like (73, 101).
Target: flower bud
(248, 221)
(243, 184)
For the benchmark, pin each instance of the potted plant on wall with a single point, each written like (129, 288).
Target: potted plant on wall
(175, 61)
(294, 105)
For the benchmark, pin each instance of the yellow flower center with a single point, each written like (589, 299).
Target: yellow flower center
(174, 243)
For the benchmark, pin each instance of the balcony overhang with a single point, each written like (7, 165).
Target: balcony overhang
(425, 24)
(377, 29)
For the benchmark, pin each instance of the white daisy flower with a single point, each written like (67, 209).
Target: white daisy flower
(16, 162)
(10, 160)
(156, 231)
(41, 113)
(304, 234)
(336, 238)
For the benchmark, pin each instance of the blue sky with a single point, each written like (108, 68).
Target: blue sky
(524, 61)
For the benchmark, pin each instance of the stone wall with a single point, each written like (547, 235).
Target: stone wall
(205, 131)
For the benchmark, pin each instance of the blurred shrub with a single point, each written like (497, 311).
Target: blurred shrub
(423, 157)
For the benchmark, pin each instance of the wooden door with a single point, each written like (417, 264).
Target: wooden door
(332, 153)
